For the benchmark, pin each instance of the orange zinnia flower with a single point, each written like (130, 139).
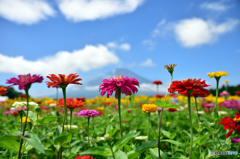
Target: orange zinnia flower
(71, 103)
(3, 90)
(62, 80)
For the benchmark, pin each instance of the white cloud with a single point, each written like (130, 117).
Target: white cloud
(196, 31)
(90, 57)
(25, 11)
(148, 63)
(150, 43)
(91, 88)
(215, 6)
(124, 46)
(81, 10)
(152, 87)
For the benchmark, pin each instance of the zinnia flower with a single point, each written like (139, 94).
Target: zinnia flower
(157, 82)
(127, 86)
(183, 86)
(3, 90)
(224, 93)
(84, 157)
(149, 108)
(172, 109)
(234, 104)
(226, 81)
(237, 92)
(208, 105)
(170, 67)
(24, 80)
(229, 123)
(88, 113)
(62, 80)
(159, 95)
(234, 140)
(71, 103)
(217, 74)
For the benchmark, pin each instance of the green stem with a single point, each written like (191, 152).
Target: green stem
(21, 141)
(160, 120)
(238, 148)
(148, 122)
(198, 121)
(88, 132)
(21, 120)
(65, 114)
(190, 120)
(119, 110)
(157, 88)
(71, 110)
(112, 150)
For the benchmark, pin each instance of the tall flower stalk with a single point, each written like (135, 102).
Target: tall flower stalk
(170, 69)
(119, 85)
(63, 82)
(88, 113)
(217, 76)
(24, 82)
(189, 87)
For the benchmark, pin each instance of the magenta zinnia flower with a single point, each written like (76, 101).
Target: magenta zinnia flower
(88, 113)
(127, 86)
(24, 80)
(208, 105)
(234, 104)
(224, 93)
(234, 140)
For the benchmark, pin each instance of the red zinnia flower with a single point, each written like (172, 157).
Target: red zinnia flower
(229, 123)
(15, 113)
(3, 90)
(84, 157)
(71, 103)
(127, 86)
(22, 96)
(237, 92)
(24, 80)
(172, 109)
(157, 82)
(183, 86)
(159, 95)
(83, 99)
(62, 80)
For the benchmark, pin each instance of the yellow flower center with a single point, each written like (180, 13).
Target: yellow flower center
(237, 120)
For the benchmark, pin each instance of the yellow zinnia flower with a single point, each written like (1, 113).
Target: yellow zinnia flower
(149, 108)
(226, 81)
(100, 108)
(217, 74)
(28, 120)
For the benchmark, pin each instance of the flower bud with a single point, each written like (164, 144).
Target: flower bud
(108, 138)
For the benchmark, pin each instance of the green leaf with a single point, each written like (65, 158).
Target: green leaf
(108, 128)
(179, 156)
(154, 153)
(9, 142)
(102, 151)
(207, 125)
(148, 157)
(146, 145)
(63, 138)
(120, 155)
(201, 139)
(172, 106)
(168, 134)
(32, 116)
(173, 142)
(117, 146)
(160, 103)
(138, 151)
(46, 119)
(33, 140)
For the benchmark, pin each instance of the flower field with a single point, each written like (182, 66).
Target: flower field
(186, 122)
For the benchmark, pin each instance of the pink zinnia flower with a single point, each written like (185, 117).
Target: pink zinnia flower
(19, 109)
(208, 105)
(88, 113)
(224, 93)
(234, 140)
(234, 104)
(127, 86)
(7, 112)
(24, 80)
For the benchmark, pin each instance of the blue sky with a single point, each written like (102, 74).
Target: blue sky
(93, 37)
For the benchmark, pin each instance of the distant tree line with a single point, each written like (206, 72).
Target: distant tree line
(230, 89)
(11, 92)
